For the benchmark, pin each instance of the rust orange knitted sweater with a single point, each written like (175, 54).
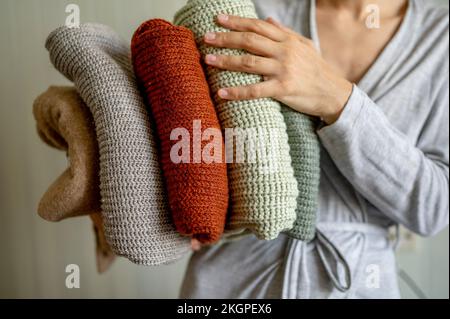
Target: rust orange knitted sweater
(167, 64)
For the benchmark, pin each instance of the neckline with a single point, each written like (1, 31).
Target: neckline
(381, 64)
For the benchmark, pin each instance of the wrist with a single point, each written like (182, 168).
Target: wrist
(337, 100)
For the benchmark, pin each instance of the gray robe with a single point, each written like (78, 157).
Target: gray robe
(384, 163)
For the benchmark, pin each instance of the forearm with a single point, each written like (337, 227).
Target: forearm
(388, 169)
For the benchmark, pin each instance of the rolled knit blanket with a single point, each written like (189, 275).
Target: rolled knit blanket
(274, 195)
(264, 190)
(167, 64)
(64, 122)
(136, 220)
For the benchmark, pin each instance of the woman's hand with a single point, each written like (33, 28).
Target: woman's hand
(294, 72)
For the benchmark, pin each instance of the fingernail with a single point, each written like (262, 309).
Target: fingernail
(222, 17)
(210, 36)
(210, 58)
(223, 93)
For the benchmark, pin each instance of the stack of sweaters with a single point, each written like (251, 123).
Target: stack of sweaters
(145, 135)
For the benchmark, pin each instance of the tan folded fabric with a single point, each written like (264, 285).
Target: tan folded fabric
(104, 255)
(64, 122)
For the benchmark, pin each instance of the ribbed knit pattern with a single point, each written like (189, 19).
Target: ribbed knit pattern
(200, 17)
(305, 152)
(167, 64)
(135, 210)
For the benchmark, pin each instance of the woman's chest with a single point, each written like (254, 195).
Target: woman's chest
(352, 47)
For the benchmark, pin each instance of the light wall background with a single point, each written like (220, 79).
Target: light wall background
(33, 252)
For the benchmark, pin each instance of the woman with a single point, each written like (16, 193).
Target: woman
(382, 94)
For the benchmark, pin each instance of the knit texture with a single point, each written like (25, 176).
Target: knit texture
(135, 211)
(264, 190)
(199, 16)
(64, 122)
(167, 64)
(305, 152)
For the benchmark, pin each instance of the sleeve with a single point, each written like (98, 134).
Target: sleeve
(408, 183)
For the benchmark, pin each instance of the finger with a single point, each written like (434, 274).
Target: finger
(257, 26)
(244, 63)
(195, 245)
(249, 41)
(250, 92)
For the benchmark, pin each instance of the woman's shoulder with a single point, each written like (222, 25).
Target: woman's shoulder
(431, 22)
(432, 14)
(430, 43)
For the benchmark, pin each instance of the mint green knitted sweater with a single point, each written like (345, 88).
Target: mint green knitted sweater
(264, 203)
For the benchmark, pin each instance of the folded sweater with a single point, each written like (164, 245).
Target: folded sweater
(263, 187)
(272, 196)
(64, 122)
(305, 152)
(167, 64)
(135, 211)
